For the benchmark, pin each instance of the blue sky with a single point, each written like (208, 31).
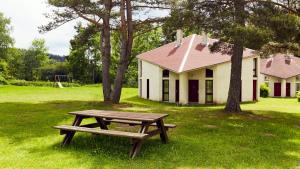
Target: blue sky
(26, 16)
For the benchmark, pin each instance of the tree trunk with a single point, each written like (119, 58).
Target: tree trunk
(126, 48)
(234, 93)
(106, 52)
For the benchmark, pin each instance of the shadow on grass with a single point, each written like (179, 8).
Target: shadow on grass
(205, 136)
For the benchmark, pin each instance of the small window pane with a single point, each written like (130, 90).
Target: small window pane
(209, 98)
(209, 73)
(165, 89)
(209, 86)
(209, 91)
(166, 73)
(255, 67)
(298, 87)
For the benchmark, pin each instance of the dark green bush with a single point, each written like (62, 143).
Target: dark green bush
(3, 81)
(49, 71)
(264, 90)
(41, 83)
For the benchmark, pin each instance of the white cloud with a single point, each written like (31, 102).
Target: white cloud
(26, 16)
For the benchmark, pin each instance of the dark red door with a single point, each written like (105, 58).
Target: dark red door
(277, 89)
(193, 91)
(288, 89)
(177, 91)
(254, 90)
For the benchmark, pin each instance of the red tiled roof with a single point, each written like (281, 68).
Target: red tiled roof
(191, 54)
(279, 66)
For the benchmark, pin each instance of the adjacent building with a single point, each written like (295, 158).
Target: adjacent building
(186, 71)
(282, 74)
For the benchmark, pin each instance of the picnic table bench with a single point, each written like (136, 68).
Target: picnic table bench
(105, 118)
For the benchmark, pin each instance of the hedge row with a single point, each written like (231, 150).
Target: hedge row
(41, 83)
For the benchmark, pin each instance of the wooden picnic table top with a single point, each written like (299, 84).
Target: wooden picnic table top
(146, 117)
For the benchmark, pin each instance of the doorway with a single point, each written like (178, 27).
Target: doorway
(177, 91)
(288, 89)
(277, 89)
(254, 90)
(193, 91)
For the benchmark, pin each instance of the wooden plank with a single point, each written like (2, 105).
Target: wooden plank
(92, 125)
(101, 123)
(137, 144)
(163, 133)
(103, 132)
(69, 135)
(149, 117)
(135, 123)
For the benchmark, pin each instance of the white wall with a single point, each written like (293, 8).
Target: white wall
(172, 86)
(154, 74)
(273, 80)
(221, 82)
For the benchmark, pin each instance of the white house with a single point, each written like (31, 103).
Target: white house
(186, 71)
(282, 74)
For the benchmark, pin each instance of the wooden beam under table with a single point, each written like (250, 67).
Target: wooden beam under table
(137, 144)
(69, 135)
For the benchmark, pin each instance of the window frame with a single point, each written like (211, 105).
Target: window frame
(165, 73)
(209, 73)
(255, 67)
(165, 92)
(209, 93)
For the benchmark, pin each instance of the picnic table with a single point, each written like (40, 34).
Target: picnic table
(105, 118)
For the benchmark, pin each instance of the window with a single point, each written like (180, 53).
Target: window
(209, 91)
(166, 73)
(165, 90)
(266, 78)
(141, 69)
(297, 86)
(209, 73)
(255, 67)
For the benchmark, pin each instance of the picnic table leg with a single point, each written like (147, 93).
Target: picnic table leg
(163, 134)
(137, 144)
(102, 123)
(68, 137)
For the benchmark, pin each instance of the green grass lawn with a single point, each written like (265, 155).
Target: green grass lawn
(267, 136)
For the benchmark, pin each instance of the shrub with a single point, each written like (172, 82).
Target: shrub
(264, 90)
(298, 96)
(49, 71)
(3, 81)
(41, 83)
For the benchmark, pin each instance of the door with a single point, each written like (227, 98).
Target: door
(288, 89)
(254, 90)
(177, 91)
(277, 89)
(193, 91)
(148, 88)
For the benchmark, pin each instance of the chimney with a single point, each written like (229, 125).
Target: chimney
(205, 39)
(288, 59)
(179, 37)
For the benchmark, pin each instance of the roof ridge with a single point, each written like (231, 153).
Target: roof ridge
(183, 62)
